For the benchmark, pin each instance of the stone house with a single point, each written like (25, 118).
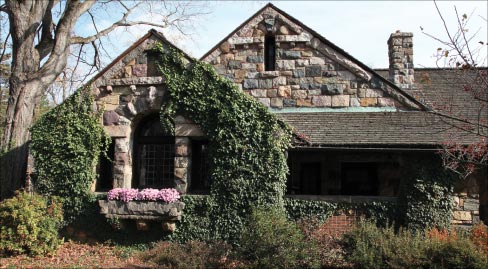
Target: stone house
(357, 130)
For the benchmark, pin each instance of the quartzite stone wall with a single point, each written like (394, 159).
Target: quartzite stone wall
(308, 72)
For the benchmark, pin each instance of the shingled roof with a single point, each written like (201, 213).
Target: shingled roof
(439, 89)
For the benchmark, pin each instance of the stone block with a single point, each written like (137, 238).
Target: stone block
(255, 59)
(181, 173)
(250, 84)
(240, 74)
(139, 70)
(168, 226)
(283, 30)
(299, 94)
(279, 81)
(373, 93)
(471, 204)
(285, 64)
(289, 54)
(276, 102)
(284, 91)
(227, 57)
(117, 130)
(340, 101)
(264, 101)
(314, 92)
(367, 101)
(313, 71)
(272, 93)
(332, 89)
(181, 162)
(299, 73)
(301, 62)
(121, 158)
(142, 225)
(258, 93)
(266, 83)
(225, 47)
(354, 102)
(181, 150)
(269, 74)
(287, 73)
(110, 118)
(234, 64)
(252, 74)
(316, 60)
(322, 101)
(128, 71)
(386, 102)
(462, 215)
(307, 54)
(188, 129)
(249, 66)
(289, 102)
(121, 145)
(304, 102)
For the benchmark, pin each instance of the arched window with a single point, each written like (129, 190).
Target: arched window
(154, 153)
(269, 52)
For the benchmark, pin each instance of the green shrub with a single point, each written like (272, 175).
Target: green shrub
(370, 247)
(29, 225)
(269, 240)
(459, 253)
(193, 254)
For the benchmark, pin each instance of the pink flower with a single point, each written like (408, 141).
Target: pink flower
(168, 195)
(114, 194)
(148, 195)
(128, 195)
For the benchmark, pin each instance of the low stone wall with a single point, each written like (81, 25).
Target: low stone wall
(466, 209)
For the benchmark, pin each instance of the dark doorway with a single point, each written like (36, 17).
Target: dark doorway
(200, 175)
(310, 178)
(105, 169)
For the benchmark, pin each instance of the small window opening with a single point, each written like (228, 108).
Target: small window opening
(105, 169)
(269, 53)
(200, 177)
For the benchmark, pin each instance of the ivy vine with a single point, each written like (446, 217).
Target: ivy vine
(66, 143)
(247, 141)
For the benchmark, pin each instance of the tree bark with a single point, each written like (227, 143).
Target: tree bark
(29, 79)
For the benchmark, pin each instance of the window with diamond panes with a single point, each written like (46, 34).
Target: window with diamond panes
(155, 154)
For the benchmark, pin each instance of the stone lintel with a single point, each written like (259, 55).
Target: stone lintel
(117, 130)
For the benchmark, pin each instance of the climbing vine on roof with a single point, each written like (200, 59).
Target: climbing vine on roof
(248, 143)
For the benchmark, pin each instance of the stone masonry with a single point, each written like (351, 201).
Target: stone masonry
(309, 73)
(127, 92)
(400, 52)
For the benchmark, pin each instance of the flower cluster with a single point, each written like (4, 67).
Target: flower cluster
(127, 195)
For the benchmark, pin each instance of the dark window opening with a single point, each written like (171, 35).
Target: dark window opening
(269, 53)
(154, 152)
(105, 169)
(200, 176)
(152, 64)
(359, 179)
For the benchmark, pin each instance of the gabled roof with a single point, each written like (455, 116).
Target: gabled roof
(150, 33)
(389, 84)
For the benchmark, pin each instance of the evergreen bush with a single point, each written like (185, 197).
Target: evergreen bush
(29, 225)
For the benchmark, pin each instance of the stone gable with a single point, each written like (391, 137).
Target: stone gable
(309, 70)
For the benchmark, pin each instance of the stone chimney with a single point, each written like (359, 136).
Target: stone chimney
(400, 53)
